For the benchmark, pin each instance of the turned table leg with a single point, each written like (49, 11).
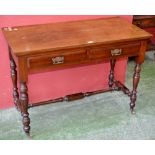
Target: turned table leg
(111, 75)
(24, 104)
(14, 81)
(136, 78)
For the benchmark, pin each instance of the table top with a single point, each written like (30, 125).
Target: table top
(34, 39)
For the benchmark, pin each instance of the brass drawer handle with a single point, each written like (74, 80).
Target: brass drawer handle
(58, 60)
(116, 52)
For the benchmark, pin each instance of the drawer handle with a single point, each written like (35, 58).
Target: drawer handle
(116, 52)
(58, 60)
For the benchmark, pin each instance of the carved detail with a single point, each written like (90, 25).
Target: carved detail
(71, 97)
(136, 78)
(14, 81)
(26, 123)
(111, 75)
(24, 104)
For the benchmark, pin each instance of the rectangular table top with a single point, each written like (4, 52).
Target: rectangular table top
(33, 39)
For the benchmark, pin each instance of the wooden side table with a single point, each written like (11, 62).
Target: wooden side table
(40, 48)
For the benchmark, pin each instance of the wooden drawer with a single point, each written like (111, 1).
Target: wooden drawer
(145, 23)
(57, 59)
(80, 56)
(102, 52)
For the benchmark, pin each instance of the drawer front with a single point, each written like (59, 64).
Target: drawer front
(55, 60)
(70, 58)
(145, 23)
(115, 51)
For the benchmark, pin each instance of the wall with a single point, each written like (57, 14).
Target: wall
(54, 84)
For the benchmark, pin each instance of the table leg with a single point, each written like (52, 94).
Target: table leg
(14, 81)
(24, 104)
(111, 75)
(136, 78)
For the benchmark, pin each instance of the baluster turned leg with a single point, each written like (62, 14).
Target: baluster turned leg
(14, 81)
(111, 75)
(24, 104)
(136, 78)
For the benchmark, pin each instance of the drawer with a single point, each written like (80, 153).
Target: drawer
(57, 59)
(145, 23)
(114, 51)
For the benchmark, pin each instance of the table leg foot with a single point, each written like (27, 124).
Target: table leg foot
(136, 78)
(24, 104)
(28, 135)
(26, 123)
(133, 111)
(133, 98)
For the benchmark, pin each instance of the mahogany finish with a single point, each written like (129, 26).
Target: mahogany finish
(111, 75)
(72, 97)
(14, 81)
(136, 78)
(120, 86)
(145, 21)
(24, 103)
(40, 48)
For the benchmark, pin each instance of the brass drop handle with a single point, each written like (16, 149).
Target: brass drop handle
(116, 52)
(58, 60)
